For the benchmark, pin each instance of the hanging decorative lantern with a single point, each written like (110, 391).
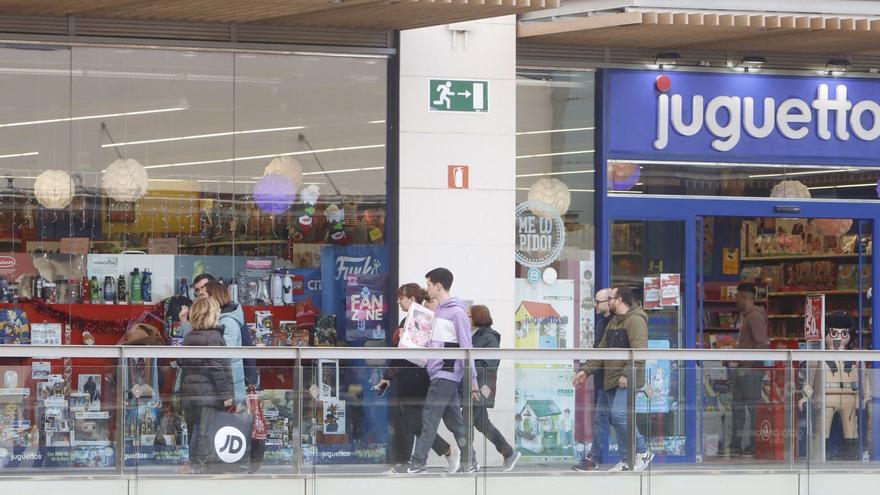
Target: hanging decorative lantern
(274, 193)
(554, 192)
(288, 167)
(793, 189)
(624, 176)
(125, 180)
(832, 227)
(54, 189)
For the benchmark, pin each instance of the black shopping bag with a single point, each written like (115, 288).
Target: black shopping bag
(223, 440)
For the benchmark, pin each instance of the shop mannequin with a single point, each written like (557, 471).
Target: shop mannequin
(843, 380)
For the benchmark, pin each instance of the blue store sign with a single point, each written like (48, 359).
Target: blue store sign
(738, 117)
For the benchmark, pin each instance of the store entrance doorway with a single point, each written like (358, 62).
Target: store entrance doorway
(684, 257)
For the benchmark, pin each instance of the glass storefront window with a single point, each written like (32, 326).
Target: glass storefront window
(131, 172)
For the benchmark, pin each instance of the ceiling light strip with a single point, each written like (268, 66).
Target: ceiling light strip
(560, 153)
(202, 136)
(551, 131)
(87, 117)
(557, 173)
(259, 157)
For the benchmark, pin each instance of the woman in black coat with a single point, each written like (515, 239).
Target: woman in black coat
(205, 382)
(487, 378)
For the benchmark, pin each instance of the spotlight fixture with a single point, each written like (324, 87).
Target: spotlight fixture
(666, 58)
(752, 62)
(837, 65)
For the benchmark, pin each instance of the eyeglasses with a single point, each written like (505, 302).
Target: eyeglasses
(602, 301)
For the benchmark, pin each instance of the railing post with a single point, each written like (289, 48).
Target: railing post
(631, 410)
(468, 417)
(121, 378)
(790, 398)
(298, 458)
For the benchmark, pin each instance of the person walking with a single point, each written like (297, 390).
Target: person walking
(487, 379)
(231, 320)
(602, 407)
(451, 328)
(411, 384)
(628, 330)
(205, 382)
(746, 380)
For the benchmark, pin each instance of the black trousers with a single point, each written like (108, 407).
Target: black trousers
(484, 426)
(406, 424)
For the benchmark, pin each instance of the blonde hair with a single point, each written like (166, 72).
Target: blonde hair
(204, 314)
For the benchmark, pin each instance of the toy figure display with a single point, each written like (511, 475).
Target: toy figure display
(846, 384)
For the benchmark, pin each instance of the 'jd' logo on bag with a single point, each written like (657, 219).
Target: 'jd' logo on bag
(229, 444)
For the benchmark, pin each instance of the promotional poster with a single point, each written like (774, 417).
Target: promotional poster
(338, 265)
(544, 315)
(657, 376)
(366, 307)
(544, 408)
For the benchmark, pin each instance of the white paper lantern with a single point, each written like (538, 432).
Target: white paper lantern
(554, 192)
(54, 189)
(125, 180)
(794, 189)
(288, 166)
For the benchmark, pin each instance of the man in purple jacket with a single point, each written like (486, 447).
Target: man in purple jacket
(452, 328)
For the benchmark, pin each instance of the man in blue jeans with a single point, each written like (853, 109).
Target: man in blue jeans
(600, 403)
(628, 330)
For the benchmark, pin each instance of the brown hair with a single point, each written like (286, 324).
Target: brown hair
(205, 314)
(143, 334)
(480, 315)
(218, 292)
(413, 291)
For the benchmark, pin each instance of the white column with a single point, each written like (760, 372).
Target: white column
(468, 231)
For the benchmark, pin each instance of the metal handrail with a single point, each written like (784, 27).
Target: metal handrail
(371, 353)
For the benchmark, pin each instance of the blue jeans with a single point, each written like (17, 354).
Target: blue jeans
(618, 421)
(600, 424)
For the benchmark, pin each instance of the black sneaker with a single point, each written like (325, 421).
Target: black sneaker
(510, 461)
(586, 465)
(408, 468)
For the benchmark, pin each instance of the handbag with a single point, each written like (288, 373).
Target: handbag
(223, 440)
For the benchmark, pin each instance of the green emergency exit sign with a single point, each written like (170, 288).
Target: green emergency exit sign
(449, 95)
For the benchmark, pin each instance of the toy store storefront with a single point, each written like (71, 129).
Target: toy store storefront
(706, 179)
(128, 173)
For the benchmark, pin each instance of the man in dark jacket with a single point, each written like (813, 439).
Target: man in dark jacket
(487, 379)
(601, 406)
(628, 330)
(746, 377)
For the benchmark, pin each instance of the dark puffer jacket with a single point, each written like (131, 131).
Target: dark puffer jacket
(206, 382)
(487, 369)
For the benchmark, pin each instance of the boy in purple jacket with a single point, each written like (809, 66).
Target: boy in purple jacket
(452, 328)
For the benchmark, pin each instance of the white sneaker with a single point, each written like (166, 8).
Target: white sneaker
(453, 458)
(620, 466)
(642, 461)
